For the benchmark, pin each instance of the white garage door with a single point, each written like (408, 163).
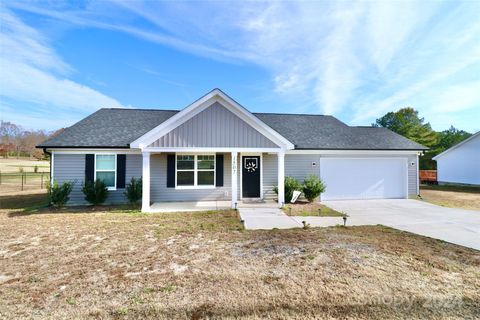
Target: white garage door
(364, 178)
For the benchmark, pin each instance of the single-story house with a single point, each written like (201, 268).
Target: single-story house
(461, 163)
(215, 149)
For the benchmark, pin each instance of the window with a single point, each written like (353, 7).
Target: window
(195, 171)
(105, 169)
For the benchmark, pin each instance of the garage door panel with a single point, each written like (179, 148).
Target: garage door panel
(363, 178)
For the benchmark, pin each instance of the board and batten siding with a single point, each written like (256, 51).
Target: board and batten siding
(215, 126)
(71, 167)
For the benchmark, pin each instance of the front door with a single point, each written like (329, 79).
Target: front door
(251, 176)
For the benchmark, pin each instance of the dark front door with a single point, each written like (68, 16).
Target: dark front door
(251, 176)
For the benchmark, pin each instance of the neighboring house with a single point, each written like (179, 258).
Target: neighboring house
(461, 163)
(215, 149)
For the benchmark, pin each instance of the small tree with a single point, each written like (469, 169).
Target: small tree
(291, 184)
(312, 187)
(59, 195)
(95, 192)
(133, 190)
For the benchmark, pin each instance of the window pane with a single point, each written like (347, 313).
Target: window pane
(105, 162)
(185, 162)
(185, 178)
(205, 178)
(107, 177)
(206, 162)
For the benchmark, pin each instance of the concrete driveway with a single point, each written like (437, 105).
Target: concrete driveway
(452, 225)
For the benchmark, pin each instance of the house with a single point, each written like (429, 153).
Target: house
(461, 163)
(215, 149)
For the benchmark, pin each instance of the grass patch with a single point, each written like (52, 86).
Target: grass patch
(195, 222)
(454, 188)
(307, 209)
(28, 202)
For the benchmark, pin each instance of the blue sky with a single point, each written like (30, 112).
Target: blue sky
(61, 61)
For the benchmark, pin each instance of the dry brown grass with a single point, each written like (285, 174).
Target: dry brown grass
(125, 264)
(453, 199)
(304, 208)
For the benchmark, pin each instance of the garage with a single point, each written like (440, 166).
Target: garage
(364, 178)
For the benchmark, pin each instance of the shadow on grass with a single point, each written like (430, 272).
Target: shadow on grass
(37, 203)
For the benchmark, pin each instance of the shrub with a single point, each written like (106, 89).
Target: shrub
(291, 184)
(58, 194)
(95, 192)
(133, 190)
(312, 188)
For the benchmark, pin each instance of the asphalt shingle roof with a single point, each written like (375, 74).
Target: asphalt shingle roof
(117, 128)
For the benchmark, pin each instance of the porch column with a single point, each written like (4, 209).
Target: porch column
(234, 179)
(146, 182)
(281, 178)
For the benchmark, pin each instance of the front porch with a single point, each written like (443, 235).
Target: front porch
(229, 189)
(191, 206)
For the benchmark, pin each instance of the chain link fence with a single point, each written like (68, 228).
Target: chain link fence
(23, 181)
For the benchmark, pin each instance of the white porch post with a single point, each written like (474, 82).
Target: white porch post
(281, 178)
(146, 182)
(234, 179)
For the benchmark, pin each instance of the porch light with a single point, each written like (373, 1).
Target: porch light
(235, 206)
(319, 211)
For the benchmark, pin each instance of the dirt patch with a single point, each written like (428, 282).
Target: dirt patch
(453, 199)
(204, 265)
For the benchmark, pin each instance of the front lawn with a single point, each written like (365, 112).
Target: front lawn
(305, 209)
(125, 264)
(452, 196)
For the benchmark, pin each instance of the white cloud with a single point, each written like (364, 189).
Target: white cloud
(31, 71)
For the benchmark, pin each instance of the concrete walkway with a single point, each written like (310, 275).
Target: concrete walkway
(449, 224)
(267, 219)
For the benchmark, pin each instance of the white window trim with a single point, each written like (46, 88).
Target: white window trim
(115, 174)
(195, 171)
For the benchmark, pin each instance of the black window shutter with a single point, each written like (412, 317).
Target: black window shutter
(171, 171)
(121, 168)
(89, 167)
(219, 170)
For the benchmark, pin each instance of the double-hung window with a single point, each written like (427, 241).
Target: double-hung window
(195, 171)
(105, 169)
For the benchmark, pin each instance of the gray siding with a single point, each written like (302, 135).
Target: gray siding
(269, 162)
(71, 167)
(412, 175)
(216, 126)
(160, 192)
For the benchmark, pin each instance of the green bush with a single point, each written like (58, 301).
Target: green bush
(312, 188)
(133, 191)
(291, 184)
(58, 194)
(95, 192)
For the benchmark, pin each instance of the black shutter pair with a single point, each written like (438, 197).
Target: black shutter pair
(171, 170)
(121, 169)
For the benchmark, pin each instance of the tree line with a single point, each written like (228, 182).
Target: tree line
(407, 123)
(15, 141)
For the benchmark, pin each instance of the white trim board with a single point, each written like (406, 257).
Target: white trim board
(203, 103)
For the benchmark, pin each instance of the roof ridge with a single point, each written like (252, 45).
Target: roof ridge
(141, 109)
(294, 114)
